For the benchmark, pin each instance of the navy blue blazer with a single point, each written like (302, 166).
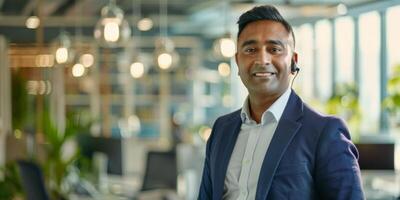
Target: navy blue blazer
(310, 156)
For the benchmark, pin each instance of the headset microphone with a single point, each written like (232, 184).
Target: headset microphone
(295, 70)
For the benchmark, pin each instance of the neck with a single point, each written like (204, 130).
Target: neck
(258, 104)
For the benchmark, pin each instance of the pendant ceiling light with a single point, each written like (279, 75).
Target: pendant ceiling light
(112, 30)
(165, 53)
(137, 68)
(64, 52)
(225, 46)
(83, 60)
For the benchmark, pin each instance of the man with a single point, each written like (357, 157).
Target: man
(276, 147)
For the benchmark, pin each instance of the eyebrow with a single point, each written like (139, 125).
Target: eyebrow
(248, 42)
(275, 42)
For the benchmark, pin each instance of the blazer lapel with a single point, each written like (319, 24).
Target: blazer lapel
(284, 133)
(230, 132)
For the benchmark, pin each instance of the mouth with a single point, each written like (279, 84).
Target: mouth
(264, 74)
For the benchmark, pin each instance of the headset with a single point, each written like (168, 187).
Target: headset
(294, 68)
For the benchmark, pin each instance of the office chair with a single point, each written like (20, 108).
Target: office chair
(112, 147)
(378, 156)
(161, 171)
(32, 181)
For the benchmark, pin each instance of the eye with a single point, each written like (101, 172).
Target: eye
(275, 50)
(249, 50)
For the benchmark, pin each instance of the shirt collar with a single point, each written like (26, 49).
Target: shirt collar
(276, 109)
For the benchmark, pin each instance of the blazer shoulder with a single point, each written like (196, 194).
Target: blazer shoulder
(222, 122)
(323, 121)
(228, 117)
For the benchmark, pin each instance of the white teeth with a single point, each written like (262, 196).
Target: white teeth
(264, 74)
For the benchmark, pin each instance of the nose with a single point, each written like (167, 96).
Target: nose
(264, 57)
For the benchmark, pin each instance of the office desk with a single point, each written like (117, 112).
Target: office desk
(381, 184)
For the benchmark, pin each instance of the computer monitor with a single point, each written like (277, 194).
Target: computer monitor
(112, 147)
(378, 156)
(161, 171)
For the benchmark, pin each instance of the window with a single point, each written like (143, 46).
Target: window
(304, 48)
(323, 38)
(393, 39)
(344, 27)
(369, 68)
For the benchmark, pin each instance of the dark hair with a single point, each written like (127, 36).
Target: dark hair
(266, 12)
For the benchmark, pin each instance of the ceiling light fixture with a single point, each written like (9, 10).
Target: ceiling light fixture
(86, 60)
(165, 53)
(224, 69)
(225, 46)
(341, 9)
(137, 68)
(112, 30)
(64, 52)
(78, 70)
(145, 24)
(32, 22)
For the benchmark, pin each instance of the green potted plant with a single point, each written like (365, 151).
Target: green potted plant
(392, 101)
(344, 103)
(19, 96)
(56, 163)
(10, 187)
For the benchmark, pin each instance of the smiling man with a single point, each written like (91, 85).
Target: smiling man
(275, 146)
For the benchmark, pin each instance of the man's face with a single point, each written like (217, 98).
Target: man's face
(264, 56)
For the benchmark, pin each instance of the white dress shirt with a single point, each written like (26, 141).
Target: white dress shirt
(251, 146)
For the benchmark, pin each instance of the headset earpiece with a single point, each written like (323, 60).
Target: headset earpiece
(294, 68)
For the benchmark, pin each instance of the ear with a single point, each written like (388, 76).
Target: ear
(294, 57)
(293, 64)
(236, 60)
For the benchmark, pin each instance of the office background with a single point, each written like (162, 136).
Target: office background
(96, 90)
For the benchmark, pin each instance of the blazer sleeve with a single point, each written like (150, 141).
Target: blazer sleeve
(205, 191)
(337, 173)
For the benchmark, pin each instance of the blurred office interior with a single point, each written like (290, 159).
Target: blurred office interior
(115, 99)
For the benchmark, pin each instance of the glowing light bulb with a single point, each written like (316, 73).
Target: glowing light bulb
(145, 24)
(227, 47)
(137, 70)
(78, 70)
(62, 55)
(224, 69)
(32, 22)
(111, 31)
(164, 60)
(87, 60)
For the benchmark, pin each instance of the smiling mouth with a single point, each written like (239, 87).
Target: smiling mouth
(263, 74)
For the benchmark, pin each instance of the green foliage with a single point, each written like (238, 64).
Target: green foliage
(19, 99)
(56, 165)
(392, 101)
(344, 102)
(10, 186)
